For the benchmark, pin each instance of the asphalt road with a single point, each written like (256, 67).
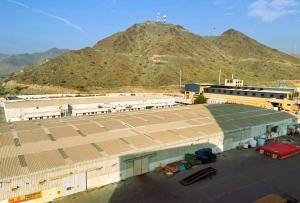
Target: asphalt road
(243, 176)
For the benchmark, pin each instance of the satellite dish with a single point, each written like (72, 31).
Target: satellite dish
(164, 18)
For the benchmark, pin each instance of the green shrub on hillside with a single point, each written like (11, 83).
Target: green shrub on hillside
(2, 91)
(200, 100)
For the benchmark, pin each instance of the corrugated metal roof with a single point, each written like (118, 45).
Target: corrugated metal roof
(57, 142)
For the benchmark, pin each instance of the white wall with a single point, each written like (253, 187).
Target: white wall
(18, 114)
(216, 101)
(80, 109)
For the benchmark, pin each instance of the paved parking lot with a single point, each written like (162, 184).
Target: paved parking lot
(243, 176)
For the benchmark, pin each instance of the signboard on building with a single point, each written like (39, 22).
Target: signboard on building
(24, 198)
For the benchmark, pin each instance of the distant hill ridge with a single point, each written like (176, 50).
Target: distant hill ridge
(14, 62)
(151, 54)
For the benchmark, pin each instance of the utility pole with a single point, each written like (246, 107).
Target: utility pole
(180, 79)
(220, 72)
(213, 31)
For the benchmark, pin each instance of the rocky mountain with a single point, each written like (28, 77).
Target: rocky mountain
(12, 63)
(151, 54)
(297, 55)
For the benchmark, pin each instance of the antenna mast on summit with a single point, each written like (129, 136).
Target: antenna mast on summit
(214, 30)
(158, 17)
(165, 19)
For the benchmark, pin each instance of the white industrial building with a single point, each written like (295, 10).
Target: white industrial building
(77, 106)
(234, 82)
(108, 107)
(46, 159)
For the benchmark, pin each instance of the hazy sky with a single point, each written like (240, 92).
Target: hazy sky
(37, 25)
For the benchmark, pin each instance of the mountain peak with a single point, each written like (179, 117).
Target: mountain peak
(152, 38)
(156, 28)
(150, 54)
(157, 24)
(232, 32)
(53, 49)
(56, 51)
(15, 62)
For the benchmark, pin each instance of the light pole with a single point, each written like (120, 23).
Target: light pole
(220, 73)
(180, 79)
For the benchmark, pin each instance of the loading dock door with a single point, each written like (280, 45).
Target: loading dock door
(137, 166)
(73, 184)
(140, 166)
(145, 165)
(129, 168)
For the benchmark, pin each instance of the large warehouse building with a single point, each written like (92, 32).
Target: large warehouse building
(78, 106)
(267, 97)
(45, 159)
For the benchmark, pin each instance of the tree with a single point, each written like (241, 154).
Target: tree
(200, 100)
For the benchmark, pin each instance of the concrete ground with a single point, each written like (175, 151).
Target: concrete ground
(243, 176)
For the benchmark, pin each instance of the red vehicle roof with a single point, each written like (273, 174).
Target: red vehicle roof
(280, 148)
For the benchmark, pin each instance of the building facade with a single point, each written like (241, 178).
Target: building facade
(234, 82)
(272, 98)
(46, 159)
(62, 107)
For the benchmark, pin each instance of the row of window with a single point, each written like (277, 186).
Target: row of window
(121, 110)
(248, 88)
(42, 117)
(236, 81)
(242, 93)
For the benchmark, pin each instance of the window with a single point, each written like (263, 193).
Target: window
(15, 188)
(281, 96)
(274, 129)
(253, 94)
(245, 93)
(271, 95)
(231, 91)
(212, 90)
(262, 95)
(238, 93)
(224, 91)
(42, 182)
